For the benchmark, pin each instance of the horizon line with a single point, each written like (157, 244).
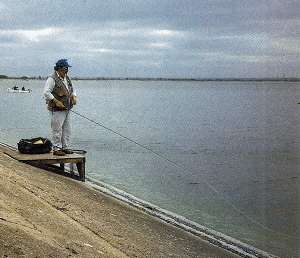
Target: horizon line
(162, 78)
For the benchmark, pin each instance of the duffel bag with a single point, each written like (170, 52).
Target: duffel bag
(34, 146)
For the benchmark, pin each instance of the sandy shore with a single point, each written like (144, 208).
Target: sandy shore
(43, 214)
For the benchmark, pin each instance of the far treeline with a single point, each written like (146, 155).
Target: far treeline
(164, 79)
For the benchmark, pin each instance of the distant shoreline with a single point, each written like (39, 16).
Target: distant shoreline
(4, 77)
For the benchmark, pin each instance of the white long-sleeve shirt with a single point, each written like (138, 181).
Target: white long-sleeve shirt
(49, 86)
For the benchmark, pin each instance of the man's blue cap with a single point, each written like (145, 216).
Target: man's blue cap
(63, 63)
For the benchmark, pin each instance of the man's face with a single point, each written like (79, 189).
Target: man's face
(63, 71)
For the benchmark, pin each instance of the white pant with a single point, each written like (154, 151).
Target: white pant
(61, 129)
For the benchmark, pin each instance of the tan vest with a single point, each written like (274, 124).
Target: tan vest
(61, 92)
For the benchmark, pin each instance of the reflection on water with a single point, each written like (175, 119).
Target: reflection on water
(236, 146)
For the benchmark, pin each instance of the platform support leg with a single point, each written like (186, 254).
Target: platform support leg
(81, 170)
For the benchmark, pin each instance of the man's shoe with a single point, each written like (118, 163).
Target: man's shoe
(59, 153)
(68, 151)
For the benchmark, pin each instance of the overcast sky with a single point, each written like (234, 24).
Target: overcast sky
(151, 38)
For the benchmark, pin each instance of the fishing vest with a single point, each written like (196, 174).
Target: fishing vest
(61, 92)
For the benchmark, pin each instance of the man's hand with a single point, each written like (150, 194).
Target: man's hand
(73, 100)
(58, 103)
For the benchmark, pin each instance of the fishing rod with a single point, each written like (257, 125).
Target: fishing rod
(125, 137)
(181, 167)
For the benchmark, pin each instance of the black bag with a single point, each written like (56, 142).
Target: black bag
(34, 146)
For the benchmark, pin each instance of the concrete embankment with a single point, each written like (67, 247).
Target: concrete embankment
(43, 214)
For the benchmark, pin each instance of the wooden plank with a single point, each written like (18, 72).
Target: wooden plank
(43, 160)
(47, 156)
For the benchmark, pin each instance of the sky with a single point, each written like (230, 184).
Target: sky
(151, 38)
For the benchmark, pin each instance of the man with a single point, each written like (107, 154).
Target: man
(60, 96)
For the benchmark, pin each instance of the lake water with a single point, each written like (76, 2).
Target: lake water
(233, 146)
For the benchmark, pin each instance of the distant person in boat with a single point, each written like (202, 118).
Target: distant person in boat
(60, 97)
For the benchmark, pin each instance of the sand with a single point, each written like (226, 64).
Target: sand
(43, 214)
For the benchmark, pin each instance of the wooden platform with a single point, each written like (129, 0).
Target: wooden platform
(48, 160)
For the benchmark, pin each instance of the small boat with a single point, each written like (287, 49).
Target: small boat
(15, 89)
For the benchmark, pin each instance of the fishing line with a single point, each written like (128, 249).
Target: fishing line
(181, 167)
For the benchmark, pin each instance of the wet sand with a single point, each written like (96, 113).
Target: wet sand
(43, 214)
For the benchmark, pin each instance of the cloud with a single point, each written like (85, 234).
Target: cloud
(157, 38)
(36, 35)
